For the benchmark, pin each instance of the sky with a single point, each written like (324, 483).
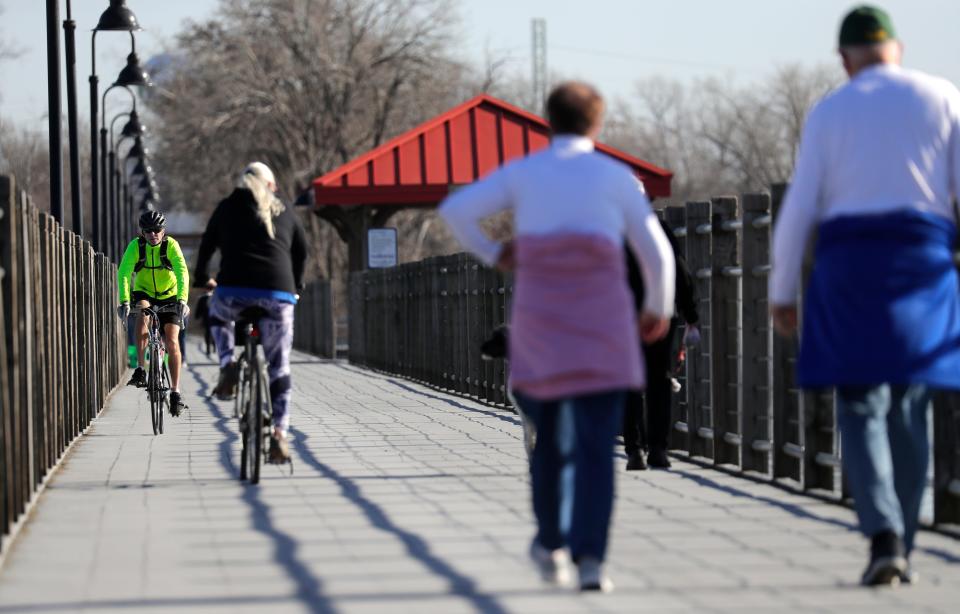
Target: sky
(611, 43)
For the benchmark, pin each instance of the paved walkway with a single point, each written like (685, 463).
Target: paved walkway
(405, 499)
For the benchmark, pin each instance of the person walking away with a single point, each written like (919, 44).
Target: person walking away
(877, 173)
(263, 252)
(646, 415)
(573, 349)
(160, 277)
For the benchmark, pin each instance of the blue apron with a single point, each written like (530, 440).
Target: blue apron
(882, 303)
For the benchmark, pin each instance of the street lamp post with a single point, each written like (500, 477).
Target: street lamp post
(116, 18)
(53, 110)
(131, 75)
(132, 129)
(76, 196)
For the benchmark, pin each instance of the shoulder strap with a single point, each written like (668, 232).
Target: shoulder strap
(164, 259)
(141, 254)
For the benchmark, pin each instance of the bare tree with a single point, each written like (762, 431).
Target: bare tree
(718, 137)
(24, 154)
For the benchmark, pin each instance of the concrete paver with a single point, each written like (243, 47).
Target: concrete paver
(409, 499)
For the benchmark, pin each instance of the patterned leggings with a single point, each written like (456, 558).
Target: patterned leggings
(276, 335)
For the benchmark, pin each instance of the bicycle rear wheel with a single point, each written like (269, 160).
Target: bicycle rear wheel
(260, 395)
(153, 391)
(246, 421)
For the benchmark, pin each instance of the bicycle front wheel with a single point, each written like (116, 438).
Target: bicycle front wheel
(164, 392)
(153, 391)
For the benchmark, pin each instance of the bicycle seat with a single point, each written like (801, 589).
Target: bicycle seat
(253, 313)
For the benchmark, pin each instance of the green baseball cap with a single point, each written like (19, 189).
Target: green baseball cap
(866, 25)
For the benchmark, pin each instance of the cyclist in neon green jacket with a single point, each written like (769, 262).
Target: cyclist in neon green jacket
(160, 277)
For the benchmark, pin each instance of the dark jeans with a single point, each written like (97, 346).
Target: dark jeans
(657, 357)
(571, 470)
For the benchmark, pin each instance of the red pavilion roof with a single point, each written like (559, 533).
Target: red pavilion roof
(419, 167)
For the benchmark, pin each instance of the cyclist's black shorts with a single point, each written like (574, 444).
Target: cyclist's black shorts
(166, 317)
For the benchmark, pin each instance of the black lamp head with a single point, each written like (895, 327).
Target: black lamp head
(148, 183)
(118, 17)
(142, 168)
(133, 127)
(138, 150)
(133, 73)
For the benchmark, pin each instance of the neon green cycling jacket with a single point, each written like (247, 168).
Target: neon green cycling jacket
(154, 279)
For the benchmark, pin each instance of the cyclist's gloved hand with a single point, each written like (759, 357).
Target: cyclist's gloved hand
(184, 308)
(123, 311)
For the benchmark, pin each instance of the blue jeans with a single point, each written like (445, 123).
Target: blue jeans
(572, 471)
(886, 452)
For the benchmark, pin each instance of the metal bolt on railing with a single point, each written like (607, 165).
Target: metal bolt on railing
(825, 459)
(762, 221)
(792, 449)
(732, 438)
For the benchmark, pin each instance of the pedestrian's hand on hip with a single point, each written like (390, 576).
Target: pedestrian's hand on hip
(653, 327)
(505, 259)
(784, 319)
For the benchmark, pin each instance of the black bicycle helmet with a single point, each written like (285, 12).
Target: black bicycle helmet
(152, 219)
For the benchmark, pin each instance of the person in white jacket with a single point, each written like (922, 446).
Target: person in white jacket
(573, 338)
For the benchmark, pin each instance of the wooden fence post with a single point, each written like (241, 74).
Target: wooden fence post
(699, 241)
(787, 422)
(757, 335)
(725, 332)
(7, 255)
(946, 458)
(676, 219)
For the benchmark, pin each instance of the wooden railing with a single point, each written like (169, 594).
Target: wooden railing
(739, 407)
(61, 345)
(313, 321)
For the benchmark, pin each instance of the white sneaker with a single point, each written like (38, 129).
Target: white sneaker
(592, 577)
(553, 565)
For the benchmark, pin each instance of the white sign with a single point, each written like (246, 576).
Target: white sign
(381, 248)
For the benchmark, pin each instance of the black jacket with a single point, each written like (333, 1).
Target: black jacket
(685, 297)
(249, 258)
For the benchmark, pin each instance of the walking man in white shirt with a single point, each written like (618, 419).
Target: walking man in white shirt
(877, 173)
(573, 337)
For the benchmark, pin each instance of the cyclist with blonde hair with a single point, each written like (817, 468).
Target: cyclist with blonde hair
(263, 251)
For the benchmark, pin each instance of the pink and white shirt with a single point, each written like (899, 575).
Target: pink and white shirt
(573, 322)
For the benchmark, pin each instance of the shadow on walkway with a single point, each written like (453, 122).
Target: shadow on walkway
(415, 545)
(284, 546)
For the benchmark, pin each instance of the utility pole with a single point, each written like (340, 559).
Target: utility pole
(539, 56)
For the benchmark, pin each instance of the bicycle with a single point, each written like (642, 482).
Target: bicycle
(158, 374)
(253, 396)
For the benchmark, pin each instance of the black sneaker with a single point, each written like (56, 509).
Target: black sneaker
(226, 389)
(139, 378)
(658, 459)
(635, 462)
(888, 564)
(176, 404)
